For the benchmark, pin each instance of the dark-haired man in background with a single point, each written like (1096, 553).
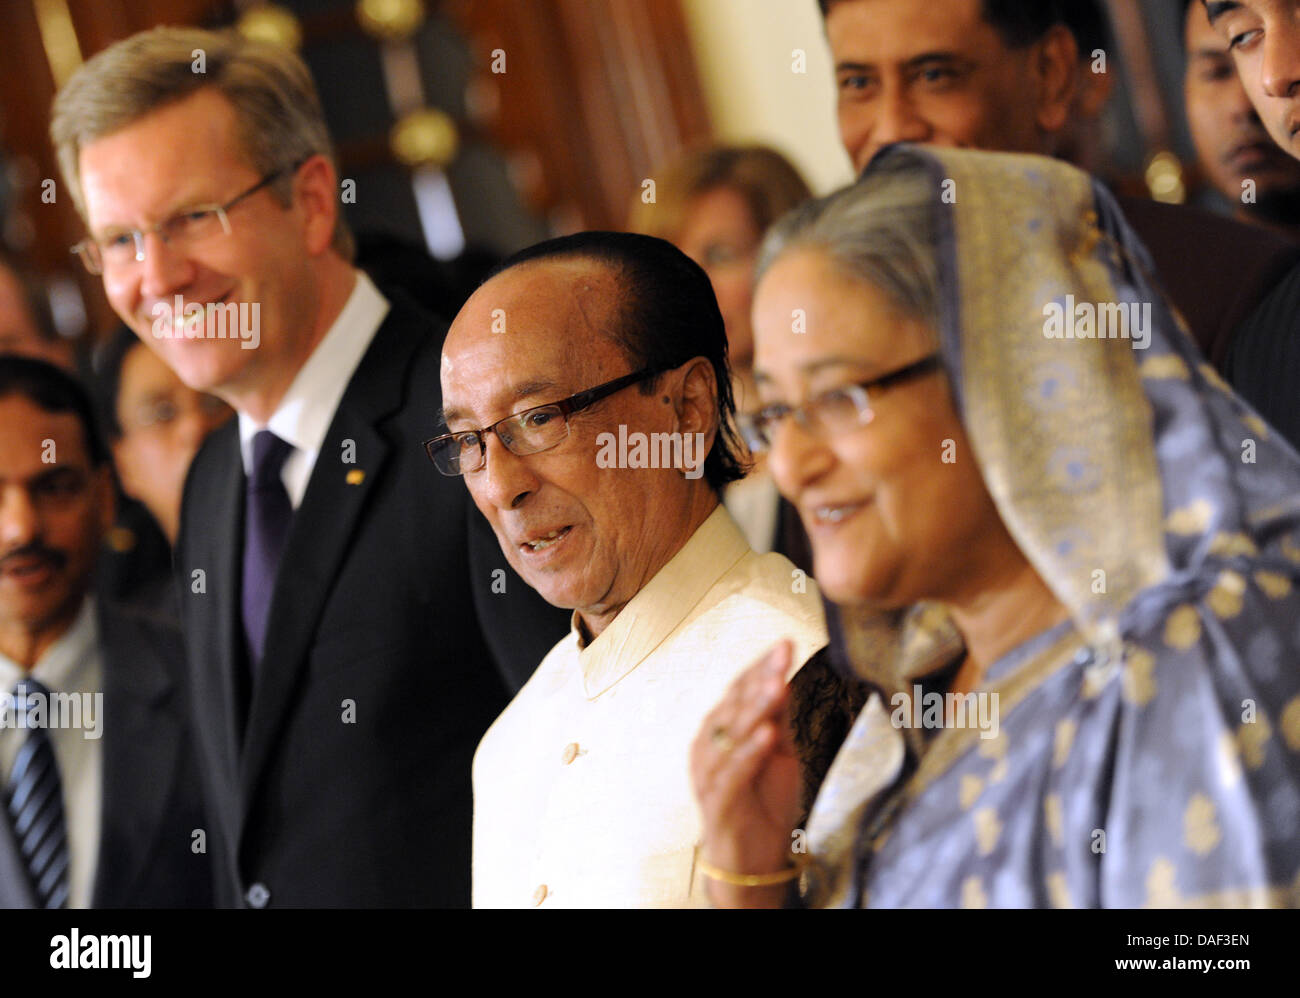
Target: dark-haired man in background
(594, 433)
(1264, 39)
(1239, 158)
(101, 798)
(1002, 75)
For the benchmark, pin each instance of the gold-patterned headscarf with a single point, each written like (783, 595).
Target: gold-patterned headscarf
(1075, 433)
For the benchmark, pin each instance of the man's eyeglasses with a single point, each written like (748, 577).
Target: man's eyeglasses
(529, 432)
(187, 228)
(840, 410)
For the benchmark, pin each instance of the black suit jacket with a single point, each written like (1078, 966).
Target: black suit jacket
(351, 783)
(151, 805)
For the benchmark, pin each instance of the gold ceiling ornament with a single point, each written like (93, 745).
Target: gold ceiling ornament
(425, 137)
(390, 20)
(269, 22)
(1164, 176)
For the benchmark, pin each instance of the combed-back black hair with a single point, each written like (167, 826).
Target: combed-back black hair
(667, 315)
(55, 390)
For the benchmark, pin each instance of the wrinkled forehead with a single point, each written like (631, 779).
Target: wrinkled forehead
(544, 328)
(544, 309)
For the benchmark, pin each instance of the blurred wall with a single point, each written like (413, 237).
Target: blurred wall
(744, 49)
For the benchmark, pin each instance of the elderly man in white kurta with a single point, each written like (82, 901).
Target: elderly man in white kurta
(587, 403)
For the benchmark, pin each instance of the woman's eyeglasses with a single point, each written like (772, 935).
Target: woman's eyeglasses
(840, 410)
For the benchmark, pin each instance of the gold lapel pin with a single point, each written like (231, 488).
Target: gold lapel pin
(356, 476)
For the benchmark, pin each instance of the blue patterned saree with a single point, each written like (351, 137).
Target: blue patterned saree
(1147, 750)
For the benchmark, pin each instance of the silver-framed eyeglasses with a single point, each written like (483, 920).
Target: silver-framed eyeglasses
(119, 249)
(840, 410)
(529, 432)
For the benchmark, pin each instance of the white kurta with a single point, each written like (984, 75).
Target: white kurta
(582, 793)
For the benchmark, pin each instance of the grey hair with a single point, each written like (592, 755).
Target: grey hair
(280, 120)
(881, 230)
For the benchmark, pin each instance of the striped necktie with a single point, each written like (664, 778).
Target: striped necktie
(34, 799)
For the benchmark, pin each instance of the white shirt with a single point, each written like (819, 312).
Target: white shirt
(71, 665)
(307, 409)
(582, 792)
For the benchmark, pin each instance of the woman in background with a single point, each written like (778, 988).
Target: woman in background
(1087, 547)
(715, 205)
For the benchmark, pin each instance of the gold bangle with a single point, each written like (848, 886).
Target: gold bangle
(801, 863)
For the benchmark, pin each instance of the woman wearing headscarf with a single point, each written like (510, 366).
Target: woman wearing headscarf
(1064, 558)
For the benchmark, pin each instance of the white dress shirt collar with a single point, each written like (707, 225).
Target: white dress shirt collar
(307, 409)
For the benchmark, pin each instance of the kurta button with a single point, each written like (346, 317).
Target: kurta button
(539, 895)
(570, 753)
(258, 896)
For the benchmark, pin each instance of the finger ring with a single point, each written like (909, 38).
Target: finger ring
(721, 739)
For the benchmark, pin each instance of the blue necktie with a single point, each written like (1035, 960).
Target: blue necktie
(267, 516)
(34, 798)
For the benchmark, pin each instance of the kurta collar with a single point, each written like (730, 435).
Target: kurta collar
(662, 604)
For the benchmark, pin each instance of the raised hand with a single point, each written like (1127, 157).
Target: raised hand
(746, 777)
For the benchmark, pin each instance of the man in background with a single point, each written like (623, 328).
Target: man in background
(1264, 39)
(1002, 75)
(1237, 155)
(101, 800)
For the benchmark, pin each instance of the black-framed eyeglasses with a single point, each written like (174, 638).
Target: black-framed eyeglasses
(839, 410)
(529, 432)
(184, 229)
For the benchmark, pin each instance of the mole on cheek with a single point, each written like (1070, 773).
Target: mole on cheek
(667, 400)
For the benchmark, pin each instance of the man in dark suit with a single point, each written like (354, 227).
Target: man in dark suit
(1264, 40)
(1241, 163)
(1002, 75)
(338, 602)
(101, 803)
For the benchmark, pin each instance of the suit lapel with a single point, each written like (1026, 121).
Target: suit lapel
(322, 532)
(222, 629)
(138, 738)
(212, 532)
